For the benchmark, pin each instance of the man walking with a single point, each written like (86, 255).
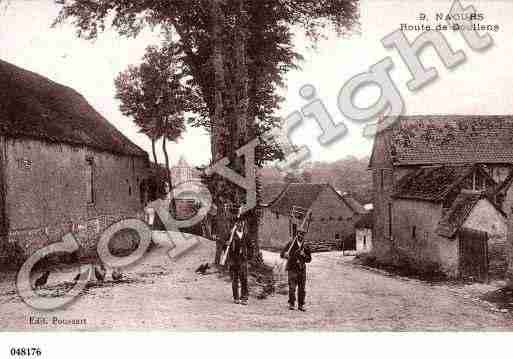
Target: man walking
(297, 255)
(239, 252)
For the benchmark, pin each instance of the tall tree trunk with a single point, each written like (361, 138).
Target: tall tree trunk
(244, 129)
(166, 157)
(154, 151)
(172, 206)
(241, 76)
(220, 143)
(220, 131)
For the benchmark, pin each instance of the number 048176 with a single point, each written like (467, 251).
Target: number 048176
(26, 352)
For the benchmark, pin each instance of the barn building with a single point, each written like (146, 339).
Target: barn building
(333, 216)
(428, 168)
(63, 167)
(270, 191)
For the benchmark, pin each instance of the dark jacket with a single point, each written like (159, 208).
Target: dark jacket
(297, 258)
(241, 249)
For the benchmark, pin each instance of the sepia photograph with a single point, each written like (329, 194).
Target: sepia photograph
(255, 166)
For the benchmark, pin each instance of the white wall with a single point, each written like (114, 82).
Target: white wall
(363, 240)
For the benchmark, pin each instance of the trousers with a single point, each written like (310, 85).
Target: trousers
(297, 279)
(239, 275)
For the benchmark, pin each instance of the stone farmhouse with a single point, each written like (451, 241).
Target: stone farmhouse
(63, 167)
(437, 181)
(333, 216)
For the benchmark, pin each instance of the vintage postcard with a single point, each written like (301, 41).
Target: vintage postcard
(255, 165)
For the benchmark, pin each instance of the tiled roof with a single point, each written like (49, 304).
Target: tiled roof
(354, 204)
(305, 194)
(435, 182)
(457, 214)
(270, 191)
(34, 106)
(505, 185)
(440, 139)
(297, 194)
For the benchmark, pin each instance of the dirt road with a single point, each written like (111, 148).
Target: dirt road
(340, 296)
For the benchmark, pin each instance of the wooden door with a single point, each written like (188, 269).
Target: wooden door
(473, 255)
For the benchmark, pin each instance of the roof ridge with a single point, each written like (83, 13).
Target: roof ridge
(41, 108)
(451, 138)
(460, 199)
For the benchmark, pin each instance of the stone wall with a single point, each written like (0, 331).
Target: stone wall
(331, 218)
(383, 178)
(273, 230)
(415, 240)
(363, 240)
(56, 188)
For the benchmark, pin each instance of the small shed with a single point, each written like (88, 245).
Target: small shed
(364, 233)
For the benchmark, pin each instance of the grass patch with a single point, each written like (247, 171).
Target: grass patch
(428, 272)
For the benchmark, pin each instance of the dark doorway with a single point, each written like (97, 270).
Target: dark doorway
(473, 247)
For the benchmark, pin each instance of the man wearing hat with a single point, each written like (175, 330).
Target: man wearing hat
(239, 251)
(297, 254)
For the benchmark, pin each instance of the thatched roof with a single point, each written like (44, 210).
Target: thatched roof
(36, 107)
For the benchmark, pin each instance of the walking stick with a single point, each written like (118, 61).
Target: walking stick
(224, 255)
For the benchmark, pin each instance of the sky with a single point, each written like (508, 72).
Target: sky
(481, 85)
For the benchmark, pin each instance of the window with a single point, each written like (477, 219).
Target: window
(382, 178)
(89, 177)
(364, 241)
(413, 232)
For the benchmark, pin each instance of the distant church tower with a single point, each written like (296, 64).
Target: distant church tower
(182, 172)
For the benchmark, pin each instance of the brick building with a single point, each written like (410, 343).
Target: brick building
(63, 167)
